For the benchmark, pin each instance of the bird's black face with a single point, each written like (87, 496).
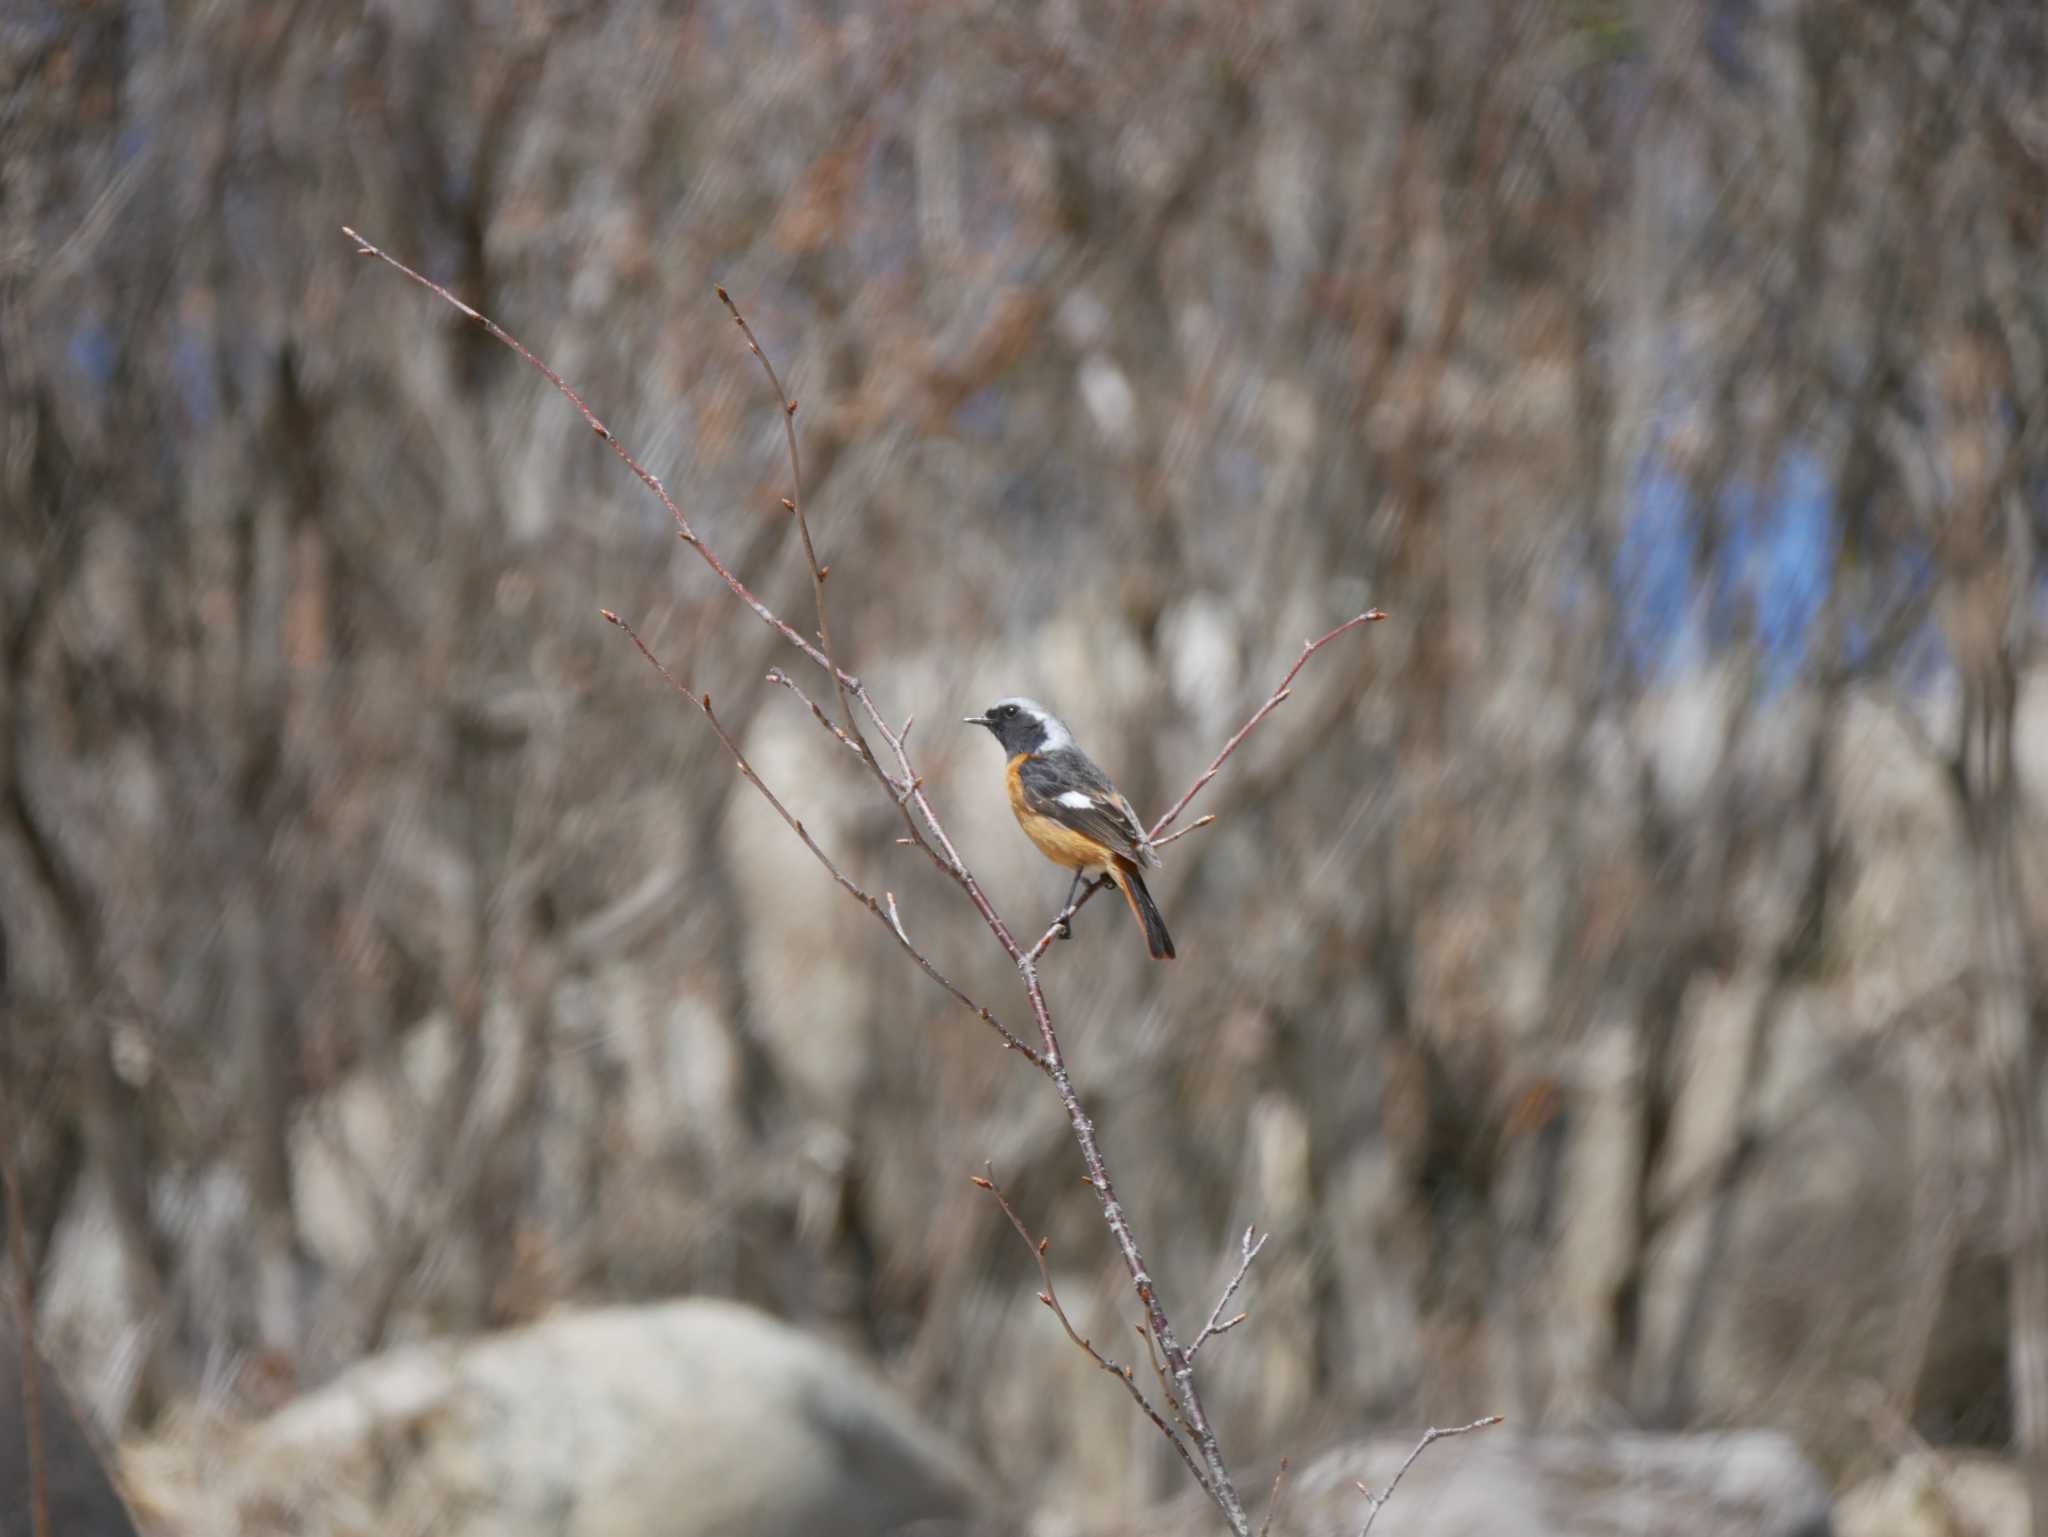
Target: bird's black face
(1014, 724)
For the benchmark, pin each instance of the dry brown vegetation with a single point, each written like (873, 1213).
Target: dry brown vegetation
(1617, 987)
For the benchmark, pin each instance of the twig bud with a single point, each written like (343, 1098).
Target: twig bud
(1046, 1298)
(723, 296)
(1044, 1244)
(985, 1184)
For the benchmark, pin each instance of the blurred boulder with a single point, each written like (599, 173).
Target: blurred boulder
(1933, 1494)
(686, 1419)
(82, 1501)
(1749, 1484)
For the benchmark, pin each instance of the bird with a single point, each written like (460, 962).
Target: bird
(1072, 812)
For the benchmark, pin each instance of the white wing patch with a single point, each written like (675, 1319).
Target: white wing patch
(1079, 800)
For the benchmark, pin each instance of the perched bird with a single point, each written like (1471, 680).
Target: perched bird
(1069, 808)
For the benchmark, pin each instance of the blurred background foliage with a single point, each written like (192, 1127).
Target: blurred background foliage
(1617, 981)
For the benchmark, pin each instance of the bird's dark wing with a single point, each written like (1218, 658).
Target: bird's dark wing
(1066, 786)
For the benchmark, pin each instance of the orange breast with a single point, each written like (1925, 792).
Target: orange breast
(1055, 840)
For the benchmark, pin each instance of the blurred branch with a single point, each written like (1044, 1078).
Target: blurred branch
(25, 1322)
(1273, 1499)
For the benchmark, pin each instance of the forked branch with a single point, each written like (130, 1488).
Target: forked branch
(890, 919)
(1051, 1299)
(1218, 1324)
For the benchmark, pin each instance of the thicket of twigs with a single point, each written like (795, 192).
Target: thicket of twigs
(1594, 975)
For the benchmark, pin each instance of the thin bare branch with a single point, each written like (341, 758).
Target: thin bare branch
(795, 503)
(1159, 1371)
(1158, 833)
(1219, 1483)
(1308, 649)
(1273, 1500)
(1193, 827)
(945, 856)
(1247, 1252)
(1378, 1502)
(777, 675)
(846, 882)
(1050, 1298)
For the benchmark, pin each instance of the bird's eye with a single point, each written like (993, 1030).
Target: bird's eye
(1007, 711)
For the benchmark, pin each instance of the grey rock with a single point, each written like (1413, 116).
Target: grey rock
(1492, 1483)
(687, 1419)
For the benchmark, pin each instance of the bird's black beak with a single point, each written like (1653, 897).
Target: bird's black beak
(976, 720)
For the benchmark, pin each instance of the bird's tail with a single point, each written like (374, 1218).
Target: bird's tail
(1143, 908)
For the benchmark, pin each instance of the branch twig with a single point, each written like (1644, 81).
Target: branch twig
(777, 675)
(1377, 1502)
(1247, 1252)
(1050, 1298)
(888, 919)
(795, 503)
(1273, 1500)
(1308, 649)
(1193, 827)
(1159, 1371)
(1273, 702)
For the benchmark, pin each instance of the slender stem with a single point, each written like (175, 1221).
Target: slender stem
(1221, 1488)
(1273, 1500)
(1051, 1299)
(889, 918)
(1247, 1252)
(1376, 1503)
(1273, 702)
(795, 503)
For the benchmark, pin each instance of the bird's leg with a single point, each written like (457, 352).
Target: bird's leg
(1067, 907)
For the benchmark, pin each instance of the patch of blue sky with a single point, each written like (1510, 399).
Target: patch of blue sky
(1772, 558)
(1654, 574)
